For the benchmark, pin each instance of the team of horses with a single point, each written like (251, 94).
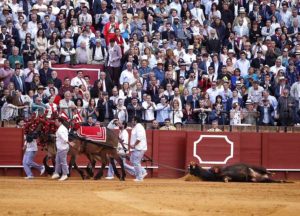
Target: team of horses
(95, 151)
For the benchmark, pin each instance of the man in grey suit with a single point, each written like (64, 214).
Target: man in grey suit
(66, 105)
(51, 29)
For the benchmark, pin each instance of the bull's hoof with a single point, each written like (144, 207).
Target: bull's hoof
(122, 179)
(96, 178)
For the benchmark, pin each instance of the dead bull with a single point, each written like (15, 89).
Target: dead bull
(236, 173)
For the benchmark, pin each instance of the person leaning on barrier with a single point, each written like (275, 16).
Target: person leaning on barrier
(214, 127)
(167, 125)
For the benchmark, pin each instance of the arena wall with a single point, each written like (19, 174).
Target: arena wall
(171, 151)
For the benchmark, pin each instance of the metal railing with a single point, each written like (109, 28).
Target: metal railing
(201, 122)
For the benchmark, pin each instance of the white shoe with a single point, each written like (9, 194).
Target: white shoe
(55, 176)
(42, 170)
(138, 180)
(109, 177)
(63, 178)
(144, 175)
(29, 177)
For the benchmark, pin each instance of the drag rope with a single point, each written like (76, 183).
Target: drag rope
(163, 165)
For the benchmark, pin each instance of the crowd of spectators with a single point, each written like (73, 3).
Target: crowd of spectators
(183, 62)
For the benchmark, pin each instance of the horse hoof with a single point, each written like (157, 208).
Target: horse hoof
(96, 178)
(122, 179)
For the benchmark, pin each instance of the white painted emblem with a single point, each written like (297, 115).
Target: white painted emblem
(214, 137)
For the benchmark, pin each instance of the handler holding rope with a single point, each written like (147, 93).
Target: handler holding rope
(138, 144)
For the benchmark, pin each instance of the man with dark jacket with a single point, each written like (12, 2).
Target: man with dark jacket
(265, 113)
(19, 81)
(286, 109)
(134, 109)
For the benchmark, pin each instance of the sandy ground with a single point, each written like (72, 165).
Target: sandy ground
(176, 197)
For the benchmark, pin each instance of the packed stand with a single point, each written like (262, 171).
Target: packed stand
(175, 63)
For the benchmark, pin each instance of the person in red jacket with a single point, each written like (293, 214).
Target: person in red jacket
(120, 40)
(109, 29)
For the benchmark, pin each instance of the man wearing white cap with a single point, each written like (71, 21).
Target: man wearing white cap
(68, 53)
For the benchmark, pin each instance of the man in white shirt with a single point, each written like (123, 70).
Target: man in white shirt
(197, 13)
(213, 92)
(127, 75)
(62, 145)
(79, 80)
(243, 64)
(32, 25)
(138, 144)
(83, 54)
(149, 108)
(85, 17)
(122, 151)
(295, 91)
(277, 67)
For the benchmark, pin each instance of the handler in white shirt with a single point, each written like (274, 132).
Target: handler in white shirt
(62, 145)
(122, 151)
(138, 144)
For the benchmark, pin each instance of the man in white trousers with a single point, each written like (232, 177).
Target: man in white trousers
(62, 145)
(122, 151)
(138, 147)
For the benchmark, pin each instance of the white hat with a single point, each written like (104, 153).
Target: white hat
(268, 38)
(68, 40)
(20, 10)
(35, 7)
(231, 51)
(249, 101)
(190, 47)
(159, 61)
(242, 10)
(144, 57)
(281, 78)
(118, 2)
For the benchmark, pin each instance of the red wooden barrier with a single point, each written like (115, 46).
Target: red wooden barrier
(281, 151)
(177, 148)
(11, 143)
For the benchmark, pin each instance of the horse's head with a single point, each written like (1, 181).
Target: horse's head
(48, 143)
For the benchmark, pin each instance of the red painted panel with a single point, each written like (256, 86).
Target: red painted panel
(212, 148)
(281, 151)
(172, 146)
(251, 148)
(11, 143)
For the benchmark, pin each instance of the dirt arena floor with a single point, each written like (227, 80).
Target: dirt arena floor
(160, 197)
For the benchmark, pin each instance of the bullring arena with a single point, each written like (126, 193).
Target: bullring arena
(165, 190)
(152, 197)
